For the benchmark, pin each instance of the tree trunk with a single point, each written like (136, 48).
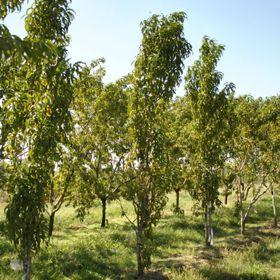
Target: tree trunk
(242, 217)
(275, 220)
(27, 262)
(226, 199)
(242, 220)
(51, 224)
(242, 224)
(104, 204)
(139, 244)
(208, 229)
(177, 199)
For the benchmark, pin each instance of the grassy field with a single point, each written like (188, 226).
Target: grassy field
(82, 250)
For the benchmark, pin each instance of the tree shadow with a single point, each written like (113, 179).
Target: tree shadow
(223, 223)
(253, 235)
(265, 254)
(80, 262)
(262, 211)
(217, 274)
(155, 275)
(124, 235)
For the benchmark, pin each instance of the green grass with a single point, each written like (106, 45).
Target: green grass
(82, 250)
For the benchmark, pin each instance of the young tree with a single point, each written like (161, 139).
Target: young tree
(176, 119)
(269, 139)
(36, 116)
(65, 178)
(101, 120)
(157, 72)
(110, 144)
(209, 131)
(248, 159)
(60, 186)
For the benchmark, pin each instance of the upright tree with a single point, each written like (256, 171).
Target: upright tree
(101, 122)
(273, 121)
(157, 72)
(257, 152)
(208, 132)
(35, 121)
(248, 158)
(177, 117)
(269, 141)
(61, 183)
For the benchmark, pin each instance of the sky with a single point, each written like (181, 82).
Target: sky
(249, 29)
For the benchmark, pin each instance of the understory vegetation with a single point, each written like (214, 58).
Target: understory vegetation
(84, 250)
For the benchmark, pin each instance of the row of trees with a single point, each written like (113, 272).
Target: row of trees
(241, 159)
(66, 135)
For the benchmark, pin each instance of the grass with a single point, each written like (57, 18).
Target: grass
(82, 250)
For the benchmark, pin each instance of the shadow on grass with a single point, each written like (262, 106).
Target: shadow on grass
(262, 211)
(265, 254)
(216, 274)
(181, 222)
(253, 235)
(209, 253)
(153, 275)
(82, 263)
(242, 242)
(128, 242)
(224, 224)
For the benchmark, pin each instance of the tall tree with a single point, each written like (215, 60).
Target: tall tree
(157, 72)
(209, 130)
(36, 116)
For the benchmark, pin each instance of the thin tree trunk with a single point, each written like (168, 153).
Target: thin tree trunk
(226, 199)
(139, 244)
(244, 213)
(27, 262)
(177, 199)
(208, 229)
(104, 204)
(242, 220)
(242, 225)
(51, 224)
(206, 225)
(275, 219)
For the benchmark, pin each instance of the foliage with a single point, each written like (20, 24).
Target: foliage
(100, 116)
(7, 6)
(157, 72)
(248, 160)
(209, 130)
(35, 117)
(49, 20)
(260, 149)
(176, 119)
(269, 138)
